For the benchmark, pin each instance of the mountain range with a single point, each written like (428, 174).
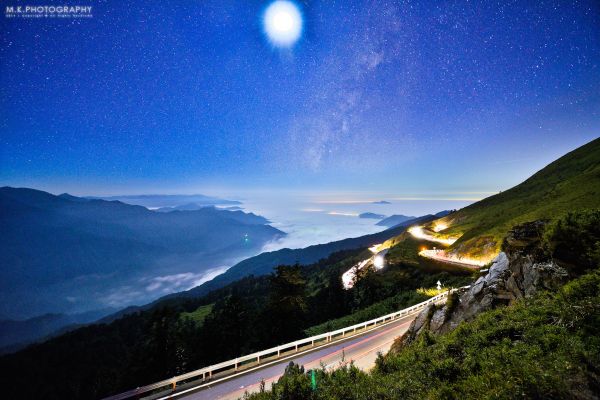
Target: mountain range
(370, 215)
(224, 317)
(265, 263)
(393, 220)
(66, 254)
(169, 200)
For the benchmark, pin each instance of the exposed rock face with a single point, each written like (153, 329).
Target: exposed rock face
(520, 270)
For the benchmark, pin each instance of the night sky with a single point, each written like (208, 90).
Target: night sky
(396, 97)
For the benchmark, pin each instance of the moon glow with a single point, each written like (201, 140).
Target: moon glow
(282, 23)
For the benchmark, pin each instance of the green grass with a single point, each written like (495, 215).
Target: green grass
(547, 346)
(570, 183)
(387, 306)
(199, 315)
(405, 250)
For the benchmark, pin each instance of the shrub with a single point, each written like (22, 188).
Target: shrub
(547, 346)
(575, 239)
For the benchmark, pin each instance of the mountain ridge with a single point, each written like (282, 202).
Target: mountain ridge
(96, 243)
(570, 182)
(264, 263)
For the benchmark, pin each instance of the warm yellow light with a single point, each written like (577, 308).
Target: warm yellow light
(439, 227)
(375, 248)
(419, 233)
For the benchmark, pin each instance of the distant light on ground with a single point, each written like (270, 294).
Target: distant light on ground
(439, 227)
(416, 231)
(441, 255)
(283, 23)
(378, 262)
(343, 214)
(375, 248)
(420, 233)
(431, 291)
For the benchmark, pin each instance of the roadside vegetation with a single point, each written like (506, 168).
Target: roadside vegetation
(570, 183)
(183, 334)
(575, 239)
(546, 346)
(387, 306)
(199, 315)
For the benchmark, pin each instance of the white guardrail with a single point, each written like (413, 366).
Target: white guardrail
(327, 338)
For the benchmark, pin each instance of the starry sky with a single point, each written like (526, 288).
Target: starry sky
(406, 97)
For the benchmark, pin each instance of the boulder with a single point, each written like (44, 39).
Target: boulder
(519, 271)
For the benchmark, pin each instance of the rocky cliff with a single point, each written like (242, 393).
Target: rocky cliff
(520, 270)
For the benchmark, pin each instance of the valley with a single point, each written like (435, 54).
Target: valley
(300, 200)
(302, 292)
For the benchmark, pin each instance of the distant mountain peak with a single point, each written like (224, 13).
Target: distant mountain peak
(70, 197)
(371, 215)
(394, 220)
(169, 200)
(96, 249)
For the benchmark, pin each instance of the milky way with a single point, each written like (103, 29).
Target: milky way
(395, 96)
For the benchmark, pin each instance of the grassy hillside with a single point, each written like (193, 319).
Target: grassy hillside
(544, 347)
(199, 315)
(572, 182)
(70, 255)
(184, 333)
(264, 263)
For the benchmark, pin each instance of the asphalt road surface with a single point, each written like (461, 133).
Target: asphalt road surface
(362, 350)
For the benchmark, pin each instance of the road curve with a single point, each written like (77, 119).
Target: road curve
(362, 350)
(441, 256)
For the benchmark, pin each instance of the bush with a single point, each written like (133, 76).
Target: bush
(293, 385)
(547, 346)
(574, 240)
(451, 303)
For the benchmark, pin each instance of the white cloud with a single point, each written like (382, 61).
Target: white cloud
(153, 287)
(182, 281)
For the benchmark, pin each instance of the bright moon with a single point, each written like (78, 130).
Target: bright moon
(283, 23)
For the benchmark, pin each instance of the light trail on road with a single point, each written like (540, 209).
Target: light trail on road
(442, 256)
(377, 260)
(361, 350)
(419, 233)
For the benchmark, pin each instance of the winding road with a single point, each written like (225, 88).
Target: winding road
(442, 256)
(439, 254)
(360, 349)
(377, 260)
